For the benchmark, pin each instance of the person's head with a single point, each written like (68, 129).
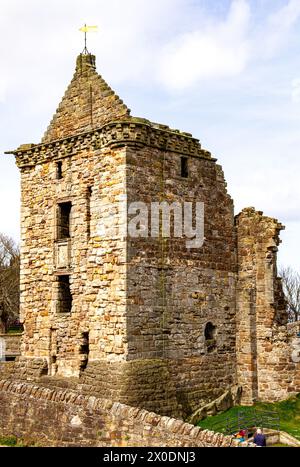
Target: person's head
(258, 431)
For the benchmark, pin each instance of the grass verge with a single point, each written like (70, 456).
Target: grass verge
(288, 411)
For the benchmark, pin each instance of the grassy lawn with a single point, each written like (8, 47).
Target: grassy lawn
(289, 413)
(8, 441)
(13, 331)
(14, 442)
(280, 446)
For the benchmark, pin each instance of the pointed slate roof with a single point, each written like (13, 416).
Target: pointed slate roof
(88, 103)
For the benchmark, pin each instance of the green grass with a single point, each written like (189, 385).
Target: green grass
(14, 442)
(280, 446)
(14, 331)
(8, 441)
(288, 411)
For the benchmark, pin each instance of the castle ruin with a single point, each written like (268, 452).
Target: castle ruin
(143, 320)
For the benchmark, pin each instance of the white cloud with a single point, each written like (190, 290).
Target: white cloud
(188, 44)
(46, 33)
(296, 90)
(3, 89)
(276, 32)
(41, 41)
(218, 49)
(224, 48)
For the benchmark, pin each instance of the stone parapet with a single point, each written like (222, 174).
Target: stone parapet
(129, 132)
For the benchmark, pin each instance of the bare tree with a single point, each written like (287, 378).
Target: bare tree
(9, 281)
(291, 289)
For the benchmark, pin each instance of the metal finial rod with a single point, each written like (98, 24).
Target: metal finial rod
(85, 47)
(87, 29)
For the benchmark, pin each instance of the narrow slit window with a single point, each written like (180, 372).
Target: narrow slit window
(64, 295)
(88, 208)
(64, 213)
(184, 167)
(84, 350)
(59, 170)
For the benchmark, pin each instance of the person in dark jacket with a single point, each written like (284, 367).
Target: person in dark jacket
(260, 439)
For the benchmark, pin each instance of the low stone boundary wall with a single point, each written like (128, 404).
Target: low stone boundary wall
(279, 437)
(53, 417)
(286, 438)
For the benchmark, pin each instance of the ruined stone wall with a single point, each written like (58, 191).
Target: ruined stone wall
(173, 291)
(293, 331)
(264, 353)
(50, 417)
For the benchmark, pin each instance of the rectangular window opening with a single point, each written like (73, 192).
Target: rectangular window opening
(59, 171)
(184, 167)
(64, 295)
(64, 212)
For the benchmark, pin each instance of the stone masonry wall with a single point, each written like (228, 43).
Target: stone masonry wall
(146, 301)
(265, 367)
(95, 263)
(7, 370)
(97, 267)
(140, 307)
(12, 343)
(147, 384)
(49, 417)
(173, 291)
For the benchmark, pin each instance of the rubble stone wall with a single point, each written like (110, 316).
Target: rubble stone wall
(265, 367)
(51, 417)
(92, 182)
(144, 303)
(175, 291)
(7, 370)
(12, 344)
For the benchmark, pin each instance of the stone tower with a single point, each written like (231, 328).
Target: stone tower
(142, 319)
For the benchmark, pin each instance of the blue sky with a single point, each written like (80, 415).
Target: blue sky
(226, 70)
